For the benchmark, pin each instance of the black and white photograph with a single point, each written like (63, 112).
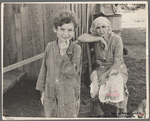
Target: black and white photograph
(75, 60)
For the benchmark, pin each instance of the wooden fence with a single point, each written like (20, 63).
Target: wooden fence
(27, 29)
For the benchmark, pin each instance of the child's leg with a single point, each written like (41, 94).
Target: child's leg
(50, 107)
(47, 113)
(69, 101)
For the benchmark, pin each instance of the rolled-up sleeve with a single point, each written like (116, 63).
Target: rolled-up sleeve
(71, 66)
(40, 85)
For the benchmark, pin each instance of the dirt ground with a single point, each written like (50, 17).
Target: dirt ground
(24, 101)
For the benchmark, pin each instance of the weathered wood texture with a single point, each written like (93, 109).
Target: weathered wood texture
(27, 38)
(11, 78)
(28, 28)
(10, 47)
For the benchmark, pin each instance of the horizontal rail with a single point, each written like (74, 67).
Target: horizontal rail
(24, 62)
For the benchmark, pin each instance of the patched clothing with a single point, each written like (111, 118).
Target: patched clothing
(59, 78)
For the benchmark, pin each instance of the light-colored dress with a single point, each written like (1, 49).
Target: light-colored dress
(105, 60)
(59, 78)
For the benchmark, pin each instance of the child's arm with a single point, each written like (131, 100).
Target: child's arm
(40, 85)
(70, 68)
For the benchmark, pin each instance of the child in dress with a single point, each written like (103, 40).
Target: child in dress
(59, 77)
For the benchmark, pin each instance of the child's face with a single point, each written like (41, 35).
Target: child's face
(65, 32)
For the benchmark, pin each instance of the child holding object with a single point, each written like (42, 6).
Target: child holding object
(108, 48)
(59, 79)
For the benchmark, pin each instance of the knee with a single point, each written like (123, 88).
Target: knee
(93, 75)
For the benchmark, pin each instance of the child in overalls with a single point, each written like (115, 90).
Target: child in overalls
(59, 78)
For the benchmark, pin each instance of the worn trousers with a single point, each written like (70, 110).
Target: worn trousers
(64, 103)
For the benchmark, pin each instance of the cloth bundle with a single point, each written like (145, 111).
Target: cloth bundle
(111, 91)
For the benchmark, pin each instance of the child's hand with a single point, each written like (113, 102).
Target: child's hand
(42, 97)
(63, 47)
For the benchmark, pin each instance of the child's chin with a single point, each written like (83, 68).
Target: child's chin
(64, 40)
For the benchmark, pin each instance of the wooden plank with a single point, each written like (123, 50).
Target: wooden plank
(11, 78)
(84, 22)
(18, 38)
(84, 16)
(73, 10)
(80, 19)
(67, 6)
(37, 28)
(72, 6)
(22, 63)
(27, 39)
(8, 12)
(16, 8)
(77, 31)
(13, 39)
(88, 49)
(6, 60)
(37, 33)
(91, 12)
(9, 36)
(7, 46)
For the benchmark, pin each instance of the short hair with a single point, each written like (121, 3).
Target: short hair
(65, 17)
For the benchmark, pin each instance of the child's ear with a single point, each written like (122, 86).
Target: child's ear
(54, 29)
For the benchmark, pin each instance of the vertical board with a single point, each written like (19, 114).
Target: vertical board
(6, 40)
(10, 47)
(49, 10)
(67, 6)
(37, 33)
(80, 20)
(18, 38)
(76, 12)
(91, 12)
(73, 10)
(84, 20)
(88, 49)
(72, 6)
(13, 40)
(27, 39)
(84, 17)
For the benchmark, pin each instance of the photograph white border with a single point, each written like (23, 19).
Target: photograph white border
(77, 2)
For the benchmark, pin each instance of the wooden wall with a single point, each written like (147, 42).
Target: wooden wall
(28, 28)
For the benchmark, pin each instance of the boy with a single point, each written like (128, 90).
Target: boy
(59, 80)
